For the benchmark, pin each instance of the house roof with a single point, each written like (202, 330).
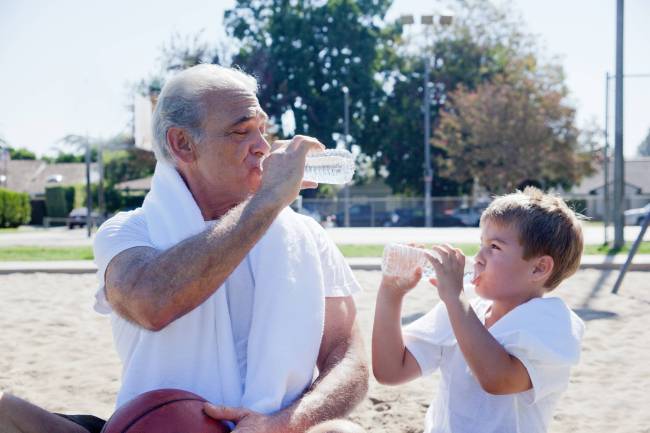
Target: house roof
(33, 176)
(143, 184)
(636, 171)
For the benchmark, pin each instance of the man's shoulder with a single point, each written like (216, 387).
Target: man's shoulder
(124, 218)
(123, 226)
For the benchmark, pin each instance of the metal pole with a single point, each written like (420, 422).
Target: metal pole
(428, 171)
(630, 256)
(619, 175)
(606, 161)
(100, 185)
(346, 118)
(89, 197)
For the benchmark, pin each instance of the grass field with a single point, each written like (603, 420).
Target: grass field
(24, 253)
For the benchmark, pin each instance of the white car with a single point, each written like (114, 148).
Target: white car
(635, 216)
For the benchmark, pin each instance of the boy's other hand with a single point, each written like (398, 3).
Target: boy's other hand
(399, 286)
(450, 269)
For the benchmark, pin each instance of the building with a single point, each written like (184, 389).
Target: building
(637, 187)
(33, 176)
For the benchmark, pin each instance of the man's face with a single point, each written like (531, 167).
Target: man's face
(233, 144)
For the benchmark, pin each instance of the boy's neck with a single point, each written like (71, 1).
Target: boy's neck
(501, 307)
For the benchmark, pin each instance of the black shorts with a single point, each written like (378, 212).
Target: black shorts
(89, 422)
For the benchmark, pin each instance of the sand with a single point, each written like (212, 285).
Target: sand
(57, 353)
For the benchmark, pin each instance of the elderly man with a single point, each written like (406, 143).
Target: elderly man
(215, 286)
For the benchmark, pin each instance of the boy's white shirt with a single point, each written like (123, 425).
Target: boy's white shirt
(544, 334)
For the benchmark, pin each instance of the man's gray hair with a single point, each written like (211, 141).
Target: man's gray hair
(182, 104)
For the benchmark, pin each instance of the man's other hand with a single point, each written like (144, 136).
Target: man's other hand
(246, 421)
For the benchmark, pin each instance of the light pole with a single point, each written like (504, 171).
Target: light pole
(89, 197)
(606, 160)
(606, 213)
(4, 157)
(427, 21)
(346, 131)
(619, 175)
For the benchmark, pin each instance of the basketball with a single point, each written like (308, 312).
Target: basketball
(164, 411)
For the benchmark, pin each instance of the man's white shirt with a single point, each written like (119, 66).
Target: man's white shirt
(129, 229)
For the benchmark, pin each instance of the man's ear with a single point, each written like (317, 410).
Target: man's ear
(181, 144)
(543, 268)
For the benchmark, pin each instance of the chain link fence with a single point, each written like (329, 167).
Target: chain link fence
(397, 211)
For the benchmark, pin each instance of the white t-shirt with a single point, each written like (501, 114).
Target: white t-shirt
(129, 229)
(544, 334)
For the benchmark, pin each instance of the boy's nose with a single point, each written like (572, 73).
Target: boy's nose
(479, 259)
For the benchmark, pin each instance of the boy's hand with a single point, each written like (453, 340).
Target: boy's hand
(399, 286)
(450, 271)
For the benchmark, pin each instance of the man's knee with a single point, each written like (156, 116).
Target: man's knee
(337, 426)
(20, 416)
(6, 401)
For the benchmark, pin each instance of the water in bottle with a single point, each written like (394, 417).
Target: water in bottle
(400, 259)
(334, 166)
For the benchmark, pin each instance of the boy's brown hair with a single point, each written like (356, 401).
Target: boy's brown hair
(546, 225)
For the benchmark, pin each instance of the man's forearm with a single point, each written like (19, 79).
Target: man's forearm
(338, 389)
(181, 278)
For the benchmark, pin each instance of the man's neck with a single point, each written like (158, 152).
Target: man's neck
(213, 204)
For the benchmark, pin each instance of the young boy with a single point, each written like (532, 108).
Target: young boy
(504, 356)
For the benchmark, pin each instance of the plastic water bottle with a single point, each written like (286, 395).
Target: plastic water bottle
(400, 259)
(329, 166)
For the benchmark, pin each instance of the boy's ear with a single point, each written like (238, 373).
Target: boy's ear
(181, 144)
(543, 267)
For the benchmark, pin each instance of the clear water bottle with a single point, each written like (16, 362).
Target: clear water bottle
(334, 166)
(400, 259)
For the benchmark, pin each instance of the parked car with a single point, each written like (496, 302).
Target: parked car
(469, 215)
(311, 213)
(414, 217)
(77, 217)
(636, 216)
(362, 215)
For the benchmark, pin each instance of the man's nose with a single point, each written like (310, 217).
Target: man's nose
(261, 147)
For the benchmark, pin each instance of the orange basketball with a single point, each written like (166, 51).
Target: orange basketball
(164, 411)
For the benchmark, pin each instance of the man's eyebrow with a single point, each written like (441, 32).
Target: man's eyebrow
(248, 118)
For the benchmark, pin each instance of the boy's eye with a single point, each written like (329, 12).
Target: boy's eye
(494, 247)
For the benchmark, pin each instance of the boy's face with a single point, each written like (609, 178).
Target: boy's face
(501, 272)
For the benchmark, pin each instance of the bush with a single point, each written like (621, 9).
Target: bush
(59, 201)
(14, 208)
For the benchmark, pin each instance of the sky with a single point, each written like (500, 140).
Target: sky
(66, 66)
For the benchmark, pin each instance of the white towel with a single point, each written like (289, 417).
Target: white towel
(287, 317)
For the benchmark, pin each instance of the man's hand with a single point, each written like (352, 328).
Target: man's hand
(284, 168)
(450, 269)
(246, 421)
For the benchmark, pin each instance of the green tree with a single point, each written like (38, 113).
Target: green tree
(303, 54)
(644, 146)
(123, 165)
(516, 128)
(21, 153)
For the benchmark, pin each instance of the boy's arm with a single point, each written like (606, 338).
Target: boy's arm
(497, 371)
(392, 363)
